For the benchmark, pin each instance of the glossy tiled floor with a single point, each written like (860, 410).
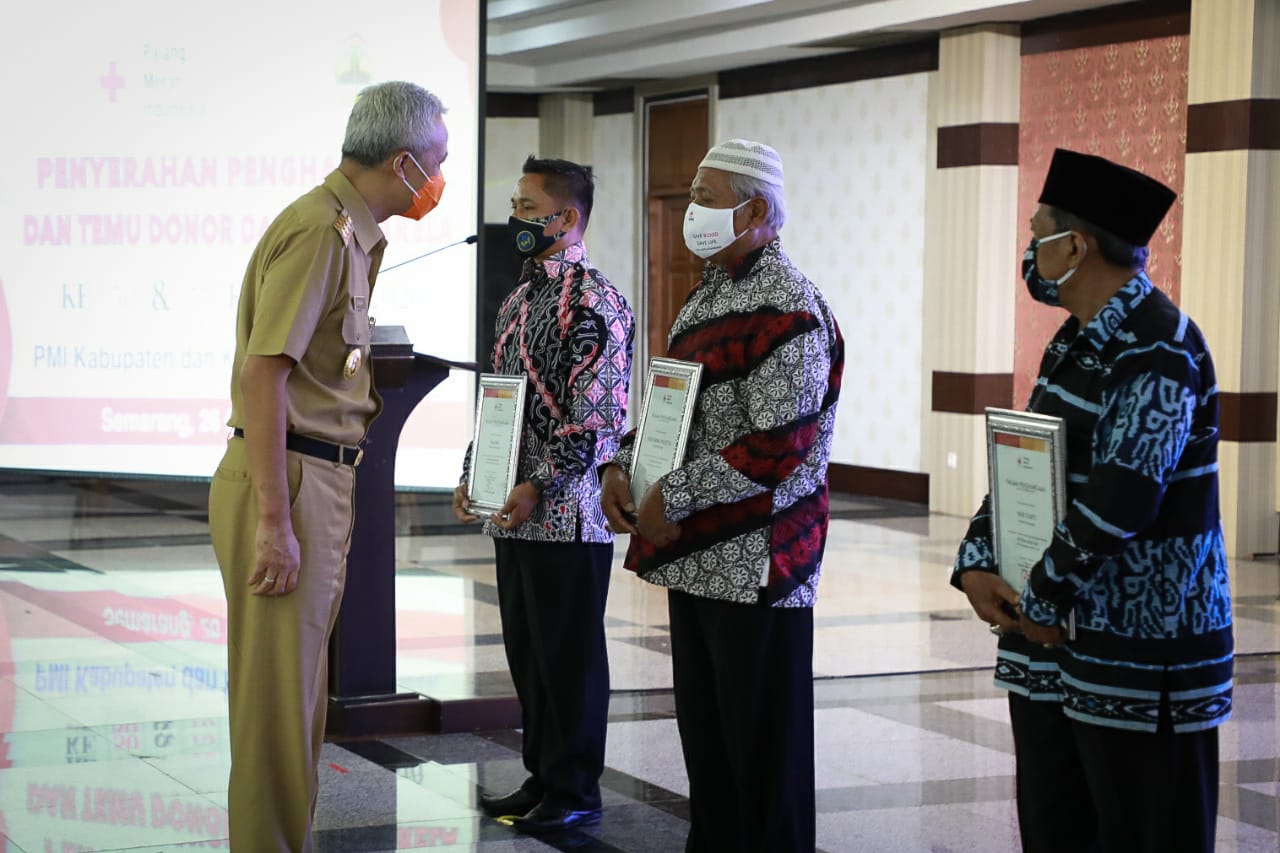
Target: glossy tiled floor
(113, 718)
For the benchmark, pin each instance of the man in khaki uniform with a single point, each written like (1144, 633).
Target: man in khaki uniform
(302, 399)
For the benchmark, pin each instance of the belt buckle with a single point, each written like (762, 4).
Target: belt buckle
(359, 457)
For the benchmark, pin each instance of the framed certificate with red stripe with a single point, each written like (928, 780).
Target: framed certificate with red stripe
(1026, 463)
(495, 448)
(670, 396)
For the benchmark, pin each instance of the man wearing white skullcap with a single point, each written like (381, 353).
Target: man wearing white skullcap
(744, 157)
(736, 532)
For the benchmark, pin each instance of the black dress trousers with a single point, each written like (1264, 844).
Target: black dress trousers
(1084, 788)
(744, 705)
(551, 596)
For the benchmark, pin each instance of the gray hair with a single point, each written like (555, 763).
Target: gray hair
(1114, 250)
(745, 187)
(391, 117)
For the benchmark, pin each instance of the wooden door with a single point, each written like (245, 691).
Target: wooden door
(673, 269)
(676, 138)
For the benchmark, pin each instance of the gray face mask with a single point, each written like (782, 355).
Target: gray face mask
(1043, 290)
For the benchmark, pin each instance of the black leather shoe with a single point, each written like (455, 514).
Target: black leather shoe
(543, 818)
(518, 802)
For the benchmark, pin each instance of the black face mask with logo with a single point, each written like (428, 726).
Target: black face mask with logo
(527, 237)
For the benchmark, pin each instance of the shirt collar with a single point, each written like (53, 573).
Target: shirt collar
(368, 232)
(1103, 327)
(745, 265)
(555, 265)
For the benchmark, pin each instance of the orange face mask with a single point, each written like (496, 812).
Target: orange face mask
(425, 199)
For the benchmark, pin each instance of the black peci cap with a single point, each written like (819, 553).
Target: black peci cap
(1115, 198)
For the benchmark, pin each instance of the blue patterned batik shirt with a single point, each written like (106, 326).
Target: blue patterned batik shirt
(1139, 555)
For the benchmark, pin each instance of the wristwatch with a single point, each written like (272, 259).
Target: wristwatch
(540, 485)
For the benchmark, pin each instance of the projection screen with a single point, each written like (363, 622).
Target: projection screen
(148, 145)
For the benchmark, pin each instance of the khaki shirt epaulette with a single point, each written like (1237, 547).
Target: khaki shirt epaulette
(344, 227)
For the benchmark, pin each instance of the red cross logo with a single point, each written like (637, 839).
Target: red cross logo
(111, 81)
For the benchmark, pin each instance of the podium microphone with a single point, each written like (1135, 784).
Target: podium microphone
(468, 241)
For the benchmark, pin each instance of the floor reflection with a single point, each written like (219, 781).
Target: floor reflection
(113, 730)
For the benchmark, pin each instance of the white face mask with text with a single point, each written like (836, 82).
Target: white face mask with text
(707, 230)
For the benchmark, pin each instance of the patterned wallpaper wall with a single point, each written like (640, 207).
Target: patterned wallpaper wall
(855, 156)
(1126, 102)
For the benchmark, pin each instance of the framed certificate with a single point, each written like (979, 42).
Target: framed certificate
(1026, 461)
(670, 395)
(495, 448)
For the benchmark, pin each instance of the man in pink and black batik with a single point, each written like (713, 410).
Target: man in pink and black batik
(570, 333)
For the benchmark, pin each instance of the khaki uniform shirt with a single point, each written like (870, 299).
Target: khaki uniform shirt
(306, 295)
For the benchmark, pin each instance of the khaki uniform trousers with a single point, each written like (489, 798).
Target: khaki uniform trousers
(278, 647)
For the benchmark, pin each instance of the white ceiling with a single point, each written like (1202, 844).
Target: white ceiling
(545, 45)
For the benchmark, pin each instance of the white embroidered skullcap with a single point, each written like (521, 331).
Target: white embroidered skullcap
(744, 157)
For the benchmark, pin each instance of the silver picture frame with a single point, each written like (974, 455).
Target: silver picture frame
(1027, 478)
(495, 444)
(666, 415)
(1026, 466)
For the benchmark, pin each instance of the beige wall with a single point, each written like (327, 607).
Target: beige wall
(971, 252)
(613, 236)
(1230, 250)
(507, 142)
